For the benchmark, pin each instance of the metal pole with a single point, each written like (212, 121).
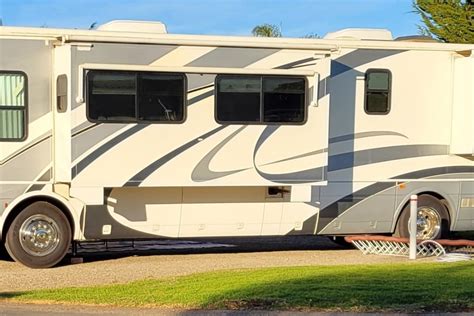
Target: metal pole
(413, 215)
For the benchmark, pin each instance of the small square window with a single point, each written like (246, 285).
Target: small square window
(377, 91)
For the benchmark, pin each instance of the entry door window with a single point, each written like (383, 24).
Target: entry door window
(13, 100)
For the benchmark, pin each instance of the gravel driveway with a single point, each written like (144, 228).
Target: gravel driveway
(166, 259)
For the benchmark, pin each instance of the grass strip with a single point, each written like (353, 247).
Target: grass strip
(431, 287)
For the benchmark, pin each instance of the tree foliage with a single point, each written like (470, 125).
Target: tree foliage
(272, 30)
(311, 35)
(449, 21)
(266, 30)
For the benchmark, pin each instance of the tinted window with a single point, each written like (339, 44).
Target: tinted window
(135, 96)
(111, 96)
(161, 98)
(377, 91)
(378, 80)
(239, 99)
(283, 99)
(260, 99)
(13, 101)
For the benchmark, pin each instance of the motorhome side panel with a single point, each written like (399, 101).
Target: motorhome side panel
(198, 151)
(382, 146)
(25, 157)
(113, 159)
(370, 152)
(182, 136)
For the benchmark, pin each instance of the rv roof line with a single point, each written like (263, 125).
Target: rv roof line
(318, 47)
(325, 44)
(329, 47)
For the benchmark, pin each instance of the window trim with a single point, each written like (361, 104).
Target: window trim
(389, 90)
(261, 122)
(137, 73)
(24, 108)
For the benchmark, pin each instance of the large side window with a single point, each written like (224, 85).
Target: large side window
(377, 91)
(254, 99)
(13, 105)
(130, 97)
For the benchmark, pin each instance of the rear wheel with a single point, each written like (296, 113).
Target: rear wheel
(39, 236)
(432, 219)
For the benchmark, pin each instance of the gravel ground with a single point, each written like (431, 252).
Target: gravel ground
(121, 265)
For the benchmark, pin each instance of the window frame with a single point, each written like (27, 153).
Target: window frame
(262, 99)
(137, 90)
(389, 90)
(24, 108)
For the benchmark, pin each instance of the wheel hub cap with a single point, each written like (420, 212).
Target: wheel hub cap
(39, 235)
(428, 223)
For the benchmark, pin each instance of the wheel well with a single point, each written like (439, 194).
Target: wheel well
(433, 194)
(21, 206)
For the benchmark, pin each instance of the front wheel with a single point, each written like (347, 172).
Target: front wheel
(39, 237)
(432, 219)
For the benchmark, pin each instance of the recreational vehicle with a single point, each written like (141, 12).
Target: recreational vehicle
(127, 132)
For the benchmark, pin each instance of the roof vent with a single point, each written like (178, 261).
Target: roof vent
(361, 34)
(154, 27)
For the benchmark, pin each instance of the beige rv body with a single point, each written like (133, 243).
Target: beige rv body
(342, 171)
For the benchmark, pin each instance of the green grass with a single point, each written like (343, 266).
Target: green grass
(397, 287)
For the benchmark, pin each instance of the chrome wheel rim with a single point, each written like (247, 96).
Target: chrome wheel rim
(428, 223)
(39, 235)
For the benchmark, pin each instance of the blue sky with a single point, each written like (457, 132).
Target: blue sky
(224, 17)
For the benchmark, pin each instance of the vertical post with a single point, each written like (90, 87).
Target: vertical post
(413, 215)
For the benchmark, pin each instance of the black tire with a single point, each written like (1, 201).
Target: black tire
(3, 253)
(49, 238)
(433, 205)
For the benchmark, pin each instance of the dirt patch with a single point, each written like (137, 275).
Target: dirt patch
(112, 268)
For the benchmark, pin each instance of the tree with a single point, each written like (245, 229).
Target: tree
(272, 30)
(449, 21)
(312, 35)
(266, 30)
